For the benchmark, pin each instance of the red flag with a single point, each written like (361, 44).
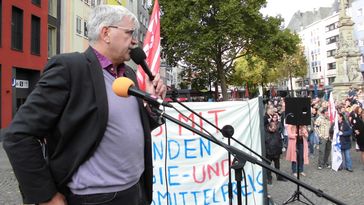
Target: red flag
(151, 46)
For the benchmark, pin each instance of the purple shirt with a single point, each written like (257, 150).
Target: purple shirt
(118, 162)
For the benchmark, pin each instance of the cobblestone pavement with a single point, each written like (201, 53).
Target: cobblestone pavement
(343, 185)
(348, 187)
(9, 192)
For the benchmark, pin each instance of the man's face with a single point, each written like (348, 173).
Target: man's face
(121, 40)
(272, 127)
(327, 114)
(313, 111)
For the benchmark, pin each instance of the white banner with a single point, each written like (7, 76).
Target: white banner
(196, 169)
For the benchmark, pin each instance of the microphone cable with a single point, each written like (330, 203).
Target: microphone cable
(165, 157)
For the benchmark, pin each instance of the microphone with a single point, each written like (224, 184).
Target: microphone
(124, 87)
(227, 131)
(138, 56)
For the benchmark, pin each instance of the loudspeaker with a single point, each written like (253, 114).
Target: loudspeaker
(298, 111)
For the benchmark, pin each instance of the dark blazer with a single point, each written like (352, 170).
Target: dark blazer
(69, 109)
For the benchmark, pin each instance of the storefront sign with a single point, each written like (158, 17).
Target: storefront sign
(22, 84)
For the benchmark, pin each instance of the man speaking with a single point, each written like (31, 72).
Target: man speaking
(98, 144)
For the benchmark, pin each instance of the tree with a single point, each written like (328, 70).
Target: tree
(294, 65)
(210, 35)
(248, 70)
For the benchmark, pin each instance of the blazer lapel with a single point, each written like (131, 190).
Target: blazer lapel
(99, 87)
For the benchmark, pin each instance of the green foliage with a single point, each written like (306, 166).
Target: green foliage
(210, 35)
(248, 69)
(294, 65)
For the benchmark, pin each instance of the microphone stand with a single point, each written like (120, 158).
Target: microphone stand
(228, 132)
(242, 157)
(296, 195)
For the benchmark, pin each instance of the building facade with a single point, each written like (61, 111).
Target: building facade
(320, 40)
(23, 51)
(74, 24)
(357, 14)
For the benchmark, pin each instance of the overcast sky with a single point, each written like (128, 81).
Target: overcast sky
(288, 7)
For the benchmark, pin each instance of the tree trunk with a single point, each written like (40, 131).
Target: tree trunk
(290, 79)
(221, 74)
(216, 85)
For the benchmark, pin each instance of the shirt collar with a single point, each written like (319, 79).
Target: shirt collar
(108, 66)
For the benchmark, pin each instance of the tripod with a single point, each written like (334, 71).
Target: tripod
(299, 156)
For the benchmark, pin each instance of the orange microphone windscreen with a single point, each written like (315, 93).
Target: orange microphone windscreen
(121, 86)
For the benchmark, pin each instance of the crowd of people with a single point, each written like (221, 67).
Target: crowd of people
(316, 138)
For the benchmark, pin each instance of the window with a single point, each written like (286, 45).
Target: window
(331, 27)
(36, 2)
(85, 29)
(78, 25)
(331, 80)
(332, 39)
(52, 41)
(35, 35)
(52, 8)
(331, 53)
(361, 42)
(360, 12)
(331, 66)
(17, 29)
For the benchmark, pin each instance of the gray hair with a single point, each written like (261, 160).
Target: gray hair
(107, 15)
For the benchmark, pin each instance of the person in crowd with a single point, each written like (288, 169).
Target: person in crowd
(316, 101)
(356, 101)
(345, 142)
(283, 126)
(302, 151)
(348, 108)
(276, 119)
(98, 144)
(268, 117)
(351, 93)
(358, 130)
(273, 147)
(354, 114)
(312, 137)
(322, 128)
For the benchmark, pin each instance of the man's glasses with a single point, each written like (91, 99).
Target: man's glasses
(129, 31)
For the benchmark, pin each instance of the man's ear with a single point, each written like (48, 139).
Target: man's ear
(104, 34)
